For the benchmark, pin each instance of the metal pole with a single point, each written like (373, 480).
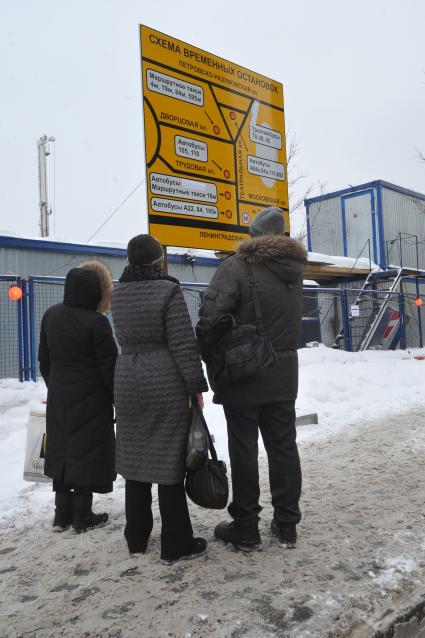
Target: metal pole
(403, 344)
(418, 293)
(32, 327)
(43, 152)
(164, 250)
(20, 336)
(346, 321)
(370, 256)
(417, 252)
(25, 336)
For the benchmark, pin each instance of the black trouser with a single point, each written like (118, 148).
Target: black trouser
(176, 533)
(276, 422)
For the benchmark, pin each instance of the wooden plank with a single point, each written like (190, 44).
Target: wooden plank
(327, 271)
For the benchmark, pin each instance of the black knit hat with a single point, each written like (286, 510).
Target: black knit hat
(144, 249)
(269, 221)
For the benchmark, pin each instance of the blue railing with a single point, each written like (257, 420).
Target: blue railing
(13, 323)
(326, 311)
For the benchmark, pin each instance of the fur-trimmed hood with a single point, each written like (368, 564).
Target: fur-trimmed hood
(284, 256)
(106, 283)
(270, 247)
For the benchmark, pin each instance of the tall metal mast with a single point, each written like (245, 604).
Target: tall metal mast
(43, 151)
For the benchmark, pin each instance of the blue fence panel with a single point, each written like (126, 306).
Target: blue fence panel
(11, 330)
(325, 312)
(43, 293)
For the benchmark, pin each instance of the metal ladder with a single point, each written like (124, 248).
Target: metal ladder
(368, 281)
(384, 303)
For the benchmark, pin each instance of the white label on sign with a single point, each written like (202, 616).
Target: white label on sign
(186, 147)
(355, 311)
(173, 87)
(266, 168)
(265, 136)
(183, 188)
(173, 206)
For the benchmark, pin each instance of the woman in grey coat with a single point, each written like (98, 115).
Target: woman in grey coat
(157, 373)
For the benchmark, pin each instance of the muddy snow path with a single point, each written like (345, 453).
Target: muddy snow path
(360, 558)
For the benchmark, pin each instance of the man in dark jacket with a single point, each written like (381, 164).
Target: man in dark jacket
(266, 401)
(77, 355)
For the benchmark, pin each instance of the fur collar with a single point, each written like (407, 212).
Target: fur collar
(106, 283)
(271, 248)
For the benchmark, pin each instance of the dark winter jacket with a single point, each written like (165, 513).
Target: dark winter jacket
(158, 369)
(278, 264)
(77, 355)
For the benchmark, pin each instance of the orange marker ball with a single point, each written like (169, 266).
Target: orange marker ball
(418, 301)
(15, 293)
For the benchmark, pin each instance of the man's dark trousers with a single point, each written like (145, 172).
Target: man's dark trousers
(276, 422)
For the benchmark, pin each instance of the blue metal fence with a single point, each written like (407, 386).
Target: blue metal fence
(12, 324)
(325, 312)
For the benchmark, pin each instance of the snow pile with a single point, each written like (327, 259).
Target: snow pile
(345, 389)
(194, 252)
(392, 571)
(18, 499)
(7, 233)
(361, 263)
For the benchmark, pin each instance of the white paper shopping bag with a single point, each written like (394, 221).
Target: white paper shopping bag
(35, 451)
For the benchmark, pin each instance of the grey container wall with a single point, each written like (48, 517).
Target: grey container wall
(387, 220)
(36, 257)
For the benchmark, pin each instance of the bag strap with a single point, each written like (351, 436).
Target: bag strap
(210, 441)
(253, 288)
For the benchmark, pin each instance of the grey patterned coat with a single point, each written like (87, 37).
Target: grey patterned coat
(152, 386)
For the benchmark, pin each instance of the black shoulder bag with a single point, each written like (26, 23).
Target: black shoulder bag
(245, 350)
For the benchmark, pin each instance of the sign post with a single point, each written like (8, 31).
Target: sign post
(214, 141)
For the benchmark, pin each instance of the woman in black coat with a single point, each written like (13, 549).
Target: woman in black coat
(77, 355)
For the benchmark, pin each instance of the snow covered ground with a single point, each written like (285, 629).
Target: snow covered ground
(360, 557)
(344, 389)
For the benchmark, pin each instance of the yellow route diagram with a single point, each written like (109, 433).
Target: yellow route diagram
(214, 142)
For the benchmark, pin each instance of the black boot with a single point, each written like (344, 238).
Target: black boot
(244, 537)
(198, 548)
(63, 511)
(287, 534)
(83, 518)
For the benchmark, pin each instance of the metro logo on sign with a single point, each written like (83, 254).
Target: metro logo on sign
(214, 141)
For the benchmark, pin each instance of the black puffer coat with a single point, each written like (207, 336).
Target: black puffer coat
(278, 264)
(77, 357)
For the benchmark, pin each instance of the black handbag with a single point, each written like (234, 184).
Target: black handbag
(208, 486)
(239, 350)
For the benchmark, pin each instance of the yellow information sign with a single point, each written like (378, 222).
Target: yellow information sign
(215, 144)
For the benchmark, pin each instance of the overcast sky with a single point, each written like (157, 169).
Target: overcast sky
(353, 74)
